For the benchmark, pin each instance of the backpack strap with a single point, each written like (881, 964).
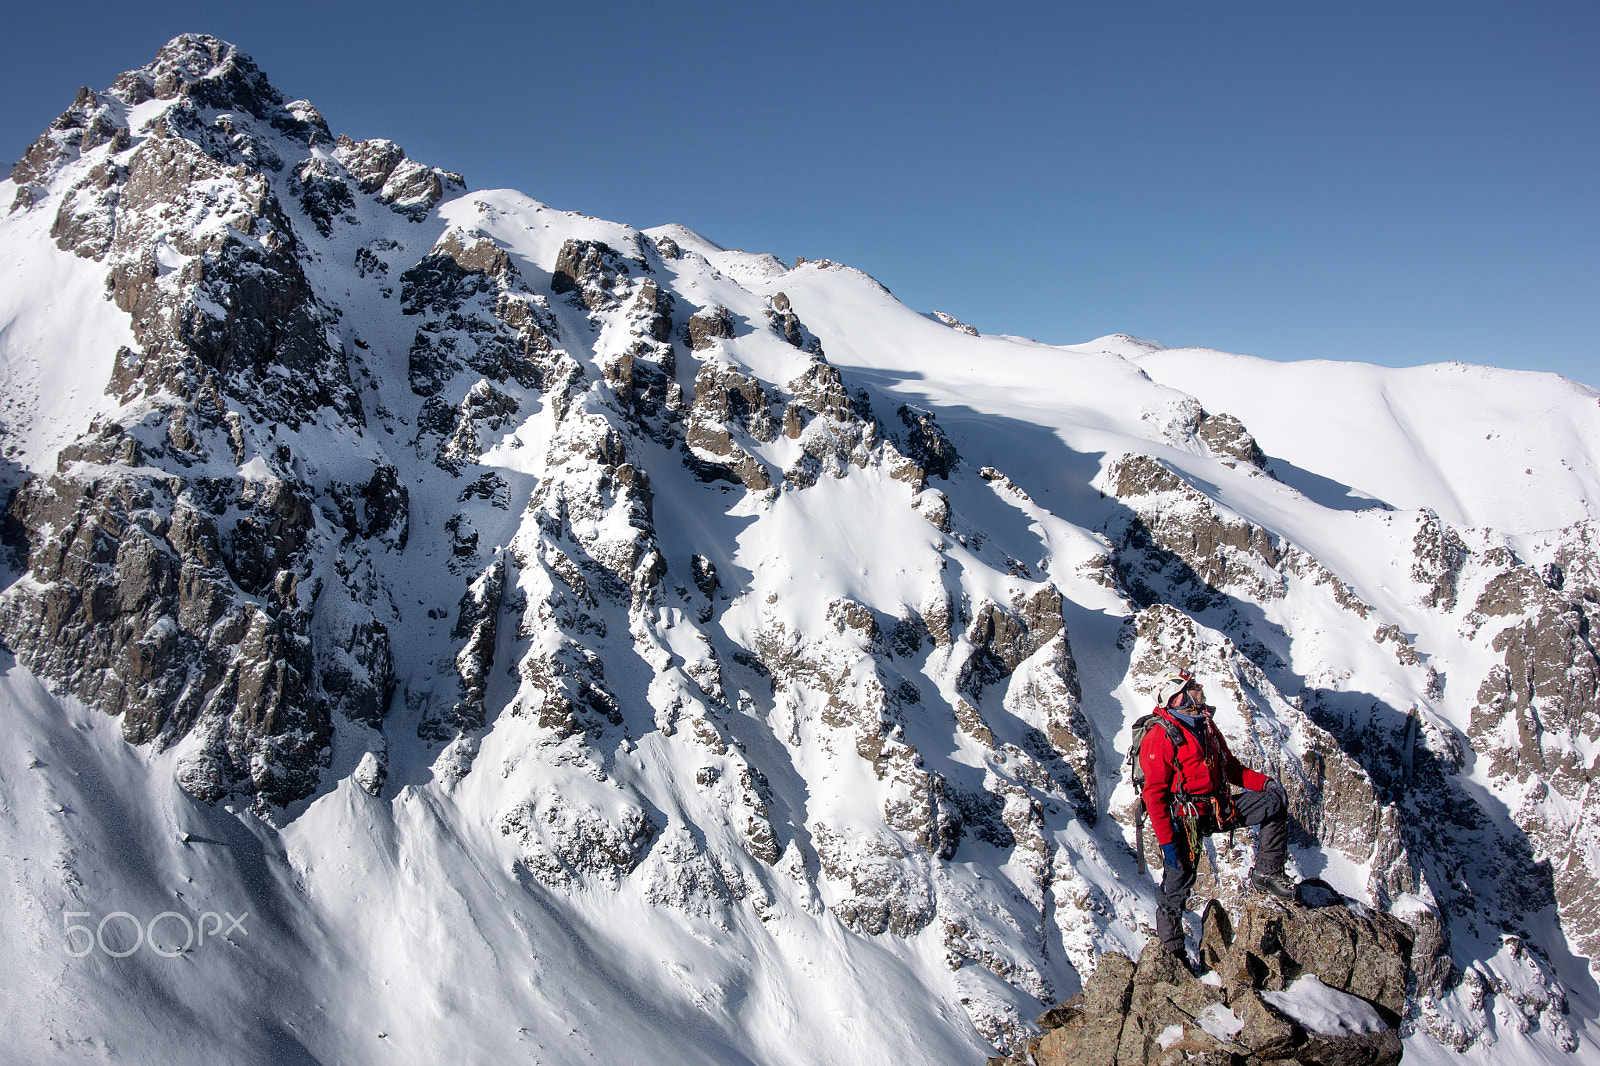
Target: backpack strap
(1138, 834)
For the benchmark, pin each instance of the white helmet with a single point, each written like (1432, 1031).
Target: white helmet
(1171, 684)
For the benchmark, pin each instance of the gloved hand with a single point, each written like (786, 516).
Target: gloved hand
(1169, 854)
(1273, 787)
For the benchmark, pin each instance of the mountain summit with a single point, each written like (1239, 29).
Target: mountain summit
(565, 641)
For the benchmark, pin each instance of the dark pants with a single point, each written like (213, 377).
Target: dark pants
(1265, 809)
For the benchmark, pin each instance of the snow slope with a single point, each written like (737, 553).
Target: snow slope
(1514, 451)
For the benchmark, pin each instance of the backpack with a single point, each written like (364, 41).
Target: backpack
(1141, 727)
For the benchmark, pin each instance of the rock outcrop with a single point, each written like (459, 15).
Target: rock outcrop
(1321, 981)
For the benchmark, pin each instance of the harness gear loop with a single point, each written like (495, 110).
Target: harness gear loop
(1200, 816)
(1186, 810)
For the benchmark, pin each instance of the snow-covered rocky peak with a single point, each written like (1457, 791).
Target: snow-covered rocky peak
(208, 72)
(571, 640)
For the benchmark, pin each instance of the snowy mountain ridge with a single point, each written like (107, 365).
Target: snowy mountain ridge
(564, 640)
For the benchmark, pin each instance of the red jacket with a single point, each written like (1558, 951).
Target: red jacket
(1203, 766)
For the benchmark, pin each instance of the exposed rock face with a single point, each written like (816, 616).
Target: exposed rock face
(1186, 541)
(1272, 973)
(652, 311)
(927, 446)
(380, 168)
(1225, 437)
(223, 304)
(787, 324)
(1438, 556)
(477, 624)
(1537, 712)
(727, 402)
(180, 606)
(179, 562)
(955, 323)
(475, 314)
(86, 125)
(706, 327)
(592, 270)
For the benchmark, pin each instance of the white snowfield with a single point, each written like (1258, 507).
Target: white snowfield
(413, 926)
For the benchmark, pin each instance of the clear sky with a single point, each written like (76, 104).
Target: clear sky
(1397, 183)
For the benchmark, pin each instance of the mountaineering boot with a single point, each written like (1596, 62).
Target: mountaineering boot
(1180, 957)
(1273, 884)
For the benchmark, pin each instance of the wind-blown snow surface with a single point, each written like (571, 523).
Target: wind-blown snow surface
(812, 812)
(383, 931)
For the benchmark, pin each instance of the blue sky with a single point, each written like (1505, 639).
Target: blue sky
(1396, 183)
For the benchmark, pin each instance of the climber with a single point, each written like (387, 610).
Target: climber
(1187, 770)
